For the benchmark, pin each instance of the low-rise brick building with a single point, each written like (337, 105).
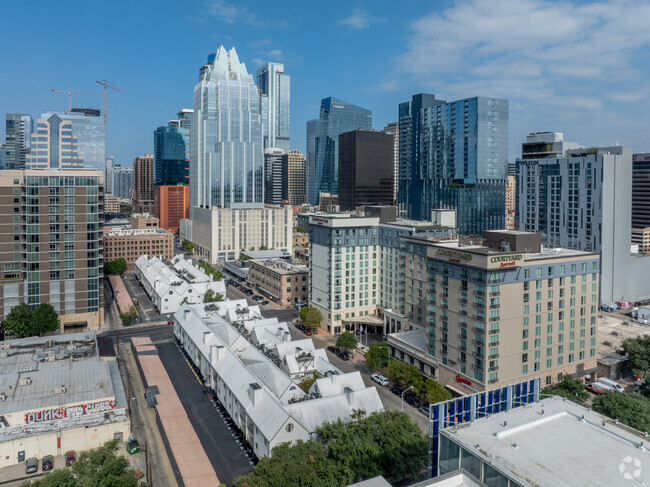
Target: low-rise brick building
(143, 237)
(283, 282)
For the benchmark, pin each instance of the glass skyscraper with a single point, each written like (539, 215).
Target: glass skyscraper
(171, 153)
(226, 148)
(69, 139)
(336, 117)
(456, 156)
(275, 91)
(19, 128)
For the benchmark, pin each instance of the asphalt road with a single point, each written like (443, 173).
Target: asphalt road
(227, 458)
(146, 310)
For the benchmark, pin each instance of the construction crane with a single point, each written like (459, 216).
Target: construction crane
(106, 85)
(70, 92)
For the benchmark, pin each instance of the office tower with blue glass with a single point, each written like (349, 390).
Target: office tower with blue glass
(227, 211)
(19, 129)
(336, 117)
(275, 97)
(454, 155)
(122, 181)
(172, 150)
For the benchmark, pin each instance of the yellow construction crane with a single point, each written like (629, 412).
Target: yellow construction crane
(106, 85)
(70, 92)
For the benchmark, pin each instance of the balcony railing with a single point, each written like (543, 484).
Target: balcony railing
(494, 332)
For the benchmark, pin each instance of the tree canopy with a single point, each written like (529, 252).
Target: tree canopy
(117, 266)
(638, 349)
(212, 297)
(387, 443)
(101, 466)
(377, 355)
(630, 409)
(22, 321)
(211, 271)
(346, 340)
(310, 316)
(130, 316)
(408, 375)
(572, 389)
(187, 246)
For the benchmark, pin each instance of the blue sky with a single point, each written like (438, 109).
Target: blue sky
(575, 67)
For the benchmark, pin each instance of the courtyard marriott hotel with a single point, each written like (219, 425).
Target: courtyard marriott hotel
(504, 312)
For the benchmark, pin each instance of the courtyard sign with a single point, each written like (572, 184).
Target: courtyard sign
(506, 259)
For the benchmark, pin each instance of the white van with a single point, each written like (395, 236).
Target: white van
(612, 385)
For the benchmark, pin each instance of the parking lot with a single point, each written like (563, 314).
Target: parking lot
(146, 310)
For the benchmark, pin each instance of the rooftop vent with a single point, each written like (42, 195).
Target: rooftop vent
(62, 389)
(25, 381)
(3, 396)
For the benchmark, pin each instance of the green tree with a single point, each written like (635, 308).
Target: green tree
(130, 316)
(188, 246)
(638, 349)
(405, 374)
(306, 464)
(44, 319)
(211, 271)
(19, 321)
(99, 467)
(630, 409)
(300, 230)
(569, 387)
(387, 443)
(310, 316)
(377, 355)
(115, 267)
(307, 383)
(434, 392)
(125, 210)
(263, 247)
(346, 340)
(211, 297)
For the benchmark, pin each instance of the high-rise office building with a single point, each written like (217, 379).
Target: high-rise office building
(143, 184)
(171, 204)
(172, 151)
(227, 166)
(640, 195)
(393, 129)
(275, 91)
(110, 162)
(226, 157)
(583, 201)
(297, 178)
(276, 165)
(3, 157)
(336, 117)
(122, 182)
(55, 220)
(366, 169)
(19, 129)
(68, 140)
(455, 156)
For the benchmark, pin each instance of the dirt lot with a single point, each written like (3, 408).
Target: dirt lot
(612, 331)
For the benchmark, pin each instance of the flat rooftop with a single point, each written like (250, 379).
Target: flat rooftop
(281, 266)
(557, 443)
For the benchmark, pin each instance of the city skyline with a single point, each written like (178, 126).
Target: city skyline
(550, 60)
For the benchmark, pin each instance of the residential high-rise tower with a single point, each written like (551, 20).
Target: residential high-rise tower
(276, 164)
(143, 185)
(19, 129)
(336, 117)
(171, 151)
(275, 91)
(297, 178)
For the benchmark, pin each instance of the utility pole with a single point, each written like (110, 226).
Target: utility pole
(106, 85)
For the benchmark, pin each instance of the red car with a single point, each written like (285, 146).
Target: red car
(170, 322)
(70, 457)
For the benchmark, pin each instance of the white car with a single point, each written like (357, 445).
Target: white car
(380, 379)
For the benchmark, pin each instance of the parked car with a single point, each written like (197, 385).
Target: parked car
(170, 322)
(308, 331)
(597, 388)
(133, 447)
(264, 301)
(70, 457)
(333, 349)
(300, 326)
(396, 390)
(424, 410)
(412, 401)
(612, 384)
(380, 379)
(48, 463)
(31, 465)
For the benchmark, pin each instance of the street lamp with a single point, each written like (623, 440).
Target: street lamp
(404, 392)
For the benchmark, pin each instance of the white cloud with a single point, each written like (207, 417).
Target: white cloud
(232, 13)
(546, 57)
(275, 53)
(359, 19)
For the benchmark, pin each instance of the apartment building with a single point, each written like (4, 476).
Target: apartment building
(130, 243)
(51, 250)
(143, 184)
(504, 312)
(285, 283)
(111, 204)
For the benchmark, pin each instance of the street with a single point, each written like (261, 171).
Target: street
(146, 309)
